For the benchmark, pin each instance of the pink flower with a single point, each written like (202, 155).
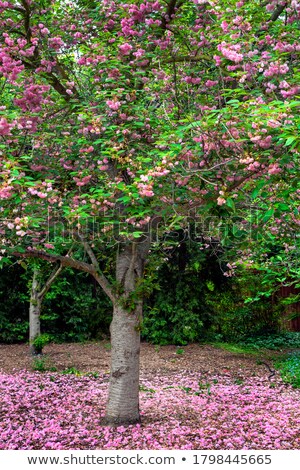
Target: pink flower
(55, 43)
(221, 201)
(139, 53)
(211, 83)
(45, 31)
(125, 48)
(224, 26)
(274, 169)
(114, 105)
(5, 127)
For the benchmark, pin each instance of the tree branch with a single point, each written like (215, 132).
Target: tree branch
(170, 11)
(99, 276)
(278, 11)
(50, 281)
(66, 261)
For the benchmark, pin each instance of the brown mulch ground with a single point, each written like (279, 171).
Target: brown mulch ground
(162, 360)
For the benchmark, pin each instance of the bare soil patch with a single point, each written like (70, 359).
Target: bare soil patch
(94, 357)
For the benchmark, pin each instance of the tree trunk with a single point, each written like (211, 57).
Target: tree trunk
(123, 397)
(36, 298)
(123, 400)
(34, 313)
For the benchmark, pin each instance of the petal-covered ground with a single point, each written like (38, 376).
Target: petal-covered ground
(179, 411)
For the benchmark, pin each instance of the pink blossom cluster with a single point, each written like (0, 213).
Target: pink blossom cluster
(55, 411)
(137, 15)
(5, 126)
(275, 68)
(6, 191)
(19, 224)
(55, 43)
(192, 80)
(145, 189)
(295, 90)
(125, 48)
(33, 98)
(9, 67)
(274, 169)
(114, 105)
(231, 52)
(272, 4)
(82, 181)
(283, 46)
(211, 83)
(4, 5)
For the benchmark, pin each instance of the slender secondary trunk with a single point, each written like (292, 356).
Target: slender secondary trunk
(34, 313)
(123, 396)
(37, 295)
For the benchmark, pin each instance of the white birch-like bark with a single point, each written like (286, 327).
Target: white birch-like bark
(34, 312)
(37, 295)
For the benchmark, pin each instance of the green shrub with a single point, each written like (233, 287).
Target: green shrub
(290, 369)
(176, 312)
(40, 342)
(233, 318)
(277, 341)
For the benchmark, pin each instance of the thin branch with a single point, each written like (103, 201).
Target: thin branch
(50, 281)
(98, 275)
(212, 167)
(91, 254)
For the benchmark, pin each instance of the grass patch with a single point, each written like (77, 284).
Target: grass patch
(180, 351)
(43, 364)
(71, 371)
(236, 348)
(142, 388)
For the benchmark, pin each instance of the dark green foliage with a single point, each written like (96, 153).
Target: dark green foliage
(173, 314)
(74, 309)
(290, 369)
(188, 299)
(277, 341)
(13, 305)
(176, 312)
(233, 319)
(43, 364)
(196, 302)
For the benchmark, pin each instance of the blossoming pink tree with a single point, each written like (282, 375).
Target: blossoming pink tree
(120, 120)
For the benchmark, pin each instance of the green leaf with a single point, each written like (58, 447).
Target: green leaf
(290, 140)
(268, 215)
(230, 203)
(255, 193)
(137, 234)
